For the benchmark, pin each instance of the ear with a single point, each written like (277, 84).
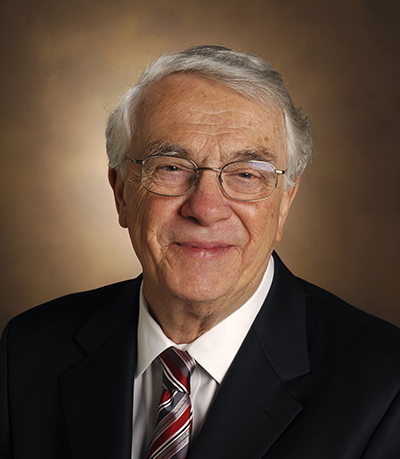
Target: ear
(287, 199)
(118, 185)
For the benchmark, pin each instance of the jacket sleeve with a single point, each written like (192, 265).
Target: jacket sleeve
(385, 443)
(5, 436)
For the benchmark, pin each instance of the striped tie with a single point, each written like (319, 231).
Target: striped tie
(174, 418)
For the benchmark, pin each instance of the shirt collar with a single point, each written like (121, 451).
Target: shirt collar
(227, 336)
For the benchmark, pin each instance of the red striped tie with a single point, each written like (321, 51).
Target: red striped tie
(174, 418)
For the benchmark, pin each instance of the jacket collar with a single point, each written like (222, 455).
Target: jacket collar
(281, 325)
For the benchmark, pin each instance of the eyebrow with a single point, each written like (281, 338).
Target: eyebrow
(257, 155)
(168, 148)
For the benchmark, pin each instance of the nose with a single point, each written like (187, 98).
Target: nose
(206, 203)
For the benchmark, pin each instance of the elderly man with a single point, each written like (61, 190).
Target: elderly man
(217, 351)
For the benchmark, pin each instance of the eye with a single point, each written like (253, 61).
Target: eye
(173, 168)
(245, 175)
(169, 168)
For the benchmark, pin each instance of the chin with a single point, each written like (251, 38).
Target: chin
(198, 289)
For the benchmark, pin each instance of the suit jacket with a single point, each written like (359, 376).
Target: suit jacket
(314, 379)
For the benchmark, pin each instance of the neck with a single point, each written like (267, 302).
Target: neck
(184, 327)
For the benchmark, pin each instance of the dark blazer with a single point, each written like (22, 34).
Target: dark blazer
(314, 379)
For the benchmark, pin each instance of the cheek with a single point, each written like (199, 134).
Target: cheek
(137, 213)
(262, 220)
(148, 216)
(262, 225)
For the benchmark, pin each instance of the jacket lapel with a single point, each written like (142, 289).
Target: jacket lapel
(253, 408)
(97, 392)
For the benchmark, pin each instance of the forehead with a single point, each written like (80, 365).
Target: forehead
(200, 114)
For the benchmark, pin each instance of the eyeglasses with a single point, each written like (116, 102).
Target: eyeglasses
(170, 175)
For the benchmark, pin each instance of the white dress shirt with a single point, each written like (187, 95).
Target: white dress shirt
(213, 351)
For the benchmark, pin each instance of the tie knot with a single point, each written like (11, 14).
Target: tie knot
(177, 368)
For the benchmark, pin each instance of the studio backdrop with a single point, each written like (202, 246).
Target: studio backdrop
(64, 64)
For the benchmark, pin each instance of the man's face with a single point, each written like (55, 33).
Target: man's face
(203, 248)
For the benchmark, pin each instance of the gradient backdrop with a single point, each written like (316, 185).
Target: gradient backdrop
(64, 63)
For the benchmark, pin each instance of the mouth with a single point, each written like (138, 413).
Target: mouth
(204, 249)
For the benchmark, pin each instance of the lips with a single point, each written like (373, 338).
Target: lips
(205, 245)
(204, 249)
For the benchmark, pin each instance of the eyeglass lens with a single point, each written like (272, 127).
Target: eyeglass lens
(175, 176)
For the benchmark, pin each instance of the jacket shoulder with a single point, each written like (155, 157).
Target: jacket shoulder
(346, 330)
(69, 312)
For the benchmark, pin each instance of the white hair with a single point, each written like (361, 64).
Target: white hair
(245, 73)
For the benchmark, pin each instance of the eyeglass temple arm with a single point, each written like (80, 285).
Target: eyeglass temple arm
(136, 161)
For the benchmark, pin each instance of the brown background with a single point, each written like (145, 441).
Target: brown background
(64, 62)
